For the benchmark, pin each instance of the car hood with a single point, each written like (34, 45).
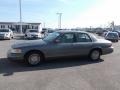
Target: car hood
(4, 33)
(28, 43)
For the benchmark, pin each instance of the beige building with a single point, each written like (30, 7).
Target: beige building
(15, 26)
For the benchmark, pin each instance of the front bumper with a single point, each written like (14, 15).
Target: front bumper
(15, 56)
(4, 37)
(107, 50)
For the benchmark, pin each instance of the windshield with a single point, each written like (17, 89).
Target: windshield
(4, 30)
(51, 36)
(112, 35)
(33, 31)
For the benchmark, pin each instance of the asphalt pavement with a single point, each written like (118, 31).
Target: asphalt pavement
(63, 74)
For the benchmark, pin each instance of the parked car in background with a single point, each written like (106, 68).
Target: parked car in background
(33, 34)
(45, 32)
(105, 33)
(6, 34)
(112, 36)
(100, 32)
(117, 32)
(60, 44)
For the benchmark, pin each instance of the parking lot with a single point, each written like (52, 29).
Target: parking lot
(67, 74)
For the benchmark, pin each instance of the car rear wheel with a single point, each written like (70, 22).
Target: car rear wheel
(116, 40)
(33, 58)
(95, 55)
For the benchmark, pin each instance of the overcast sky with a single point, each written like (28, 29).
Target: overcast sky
(76, 13)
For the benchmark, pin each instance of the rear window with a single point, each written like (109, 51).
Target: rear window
(112, 35)
(33, 31)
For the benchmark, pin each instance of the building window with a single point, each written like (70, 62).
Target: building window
(32, 27)
(2, 26)
(36, 27)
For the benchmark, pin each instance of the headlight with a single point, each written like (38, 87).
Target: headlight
(6, 34)
(16, 50)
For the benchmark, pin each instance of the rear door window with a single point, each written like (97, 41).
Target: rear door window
(83, 37)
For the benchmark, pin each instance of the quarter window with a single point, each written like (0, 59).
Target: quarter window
(82, 37)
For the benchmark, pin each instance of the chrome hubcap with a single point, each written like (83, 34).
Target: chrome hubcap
(34, 59)
(95, 55)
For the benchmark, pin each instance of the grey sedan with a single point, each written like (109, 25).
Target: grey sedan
(60, 44)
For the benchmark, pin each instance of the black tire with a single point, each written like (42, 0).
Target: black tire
(33, 58)
(11, 37)
(95, 55)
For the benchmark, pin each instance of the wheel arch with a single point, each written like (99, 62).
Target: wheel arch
(38, 51)
(96, 48)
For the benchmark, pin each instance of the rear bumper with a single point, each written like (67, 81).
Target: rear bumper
(107, 50)
(33, 36)
(112, 39)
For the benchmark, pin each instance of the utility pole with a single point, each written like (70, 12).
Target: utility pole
(59, 20)
(113, 25)
(20, 7)
(44, 24)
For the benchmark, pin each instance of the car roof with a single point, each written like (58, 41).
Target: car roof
(113, 32)
(70, 31)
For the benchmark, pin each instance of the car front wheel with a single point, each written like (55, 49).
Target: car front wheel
(95, 55)
(33, 58)
(11, 37)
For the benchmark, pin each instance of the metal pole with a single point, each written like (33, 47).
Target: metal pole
(44, 24)
(20, 16)
(59, 20)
